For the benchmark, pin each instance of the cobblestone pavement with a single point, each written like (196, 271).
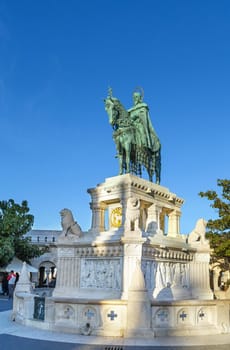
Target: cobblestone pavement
(18, 337)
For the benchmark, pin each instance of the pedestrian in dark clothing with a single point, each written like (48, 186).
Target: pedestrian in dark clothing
(5, 289)
(16, 279)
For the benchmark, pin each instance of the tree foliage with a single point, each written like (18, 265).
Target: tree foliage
(219, 229)
(15, 222)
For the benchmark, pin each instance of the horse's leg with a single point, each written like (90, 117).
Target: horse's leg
(119, 155)
(150, 172)
(127, 157)
(150, 176)
(120, 164)
(139, 170)
(158, 168)
(158, 179)
(152, 166)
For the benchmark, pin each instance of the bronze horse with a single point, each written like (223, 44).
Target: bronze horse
(131, 154)
(123, 135)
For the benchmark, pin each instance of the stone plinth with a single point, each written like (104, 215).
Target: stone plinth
(138, 304)
(156, 202)
(199, 272)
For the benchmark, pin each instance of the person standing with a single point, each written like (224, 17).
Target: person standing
(11, 283)
(5, 284)
(16, 279)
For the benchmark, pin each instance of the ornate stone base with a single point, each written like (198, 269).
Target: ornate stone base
(137, 278)
(119, 318)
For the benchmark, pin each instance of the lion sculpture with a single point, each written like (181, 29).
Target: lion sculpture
(69, 226)
(132, 214)
(198, 234)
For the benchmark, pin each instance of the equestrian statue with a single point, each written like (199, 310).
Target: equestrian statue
(137, 143)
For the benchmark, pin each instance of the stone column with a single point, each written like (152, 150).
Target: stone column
(67, 272)
(23, 302)
(132, 254)
(199, 275)
(98, 217)
(153, 219)
(139, 313)
(174, 223)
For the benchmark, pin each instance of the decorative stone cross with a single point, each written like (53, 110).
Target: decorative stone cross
(112, 315)
(162, 315)
(89, 314)
(183, 315)
(201, 314)
(68, 313)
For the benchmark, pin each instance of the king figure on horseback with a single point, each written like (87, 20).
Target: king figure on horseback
(136, 140)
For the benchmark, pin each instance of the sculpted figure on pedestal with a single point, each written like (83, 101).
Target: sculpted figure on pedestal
(139, 113)
(136, 141)
(198, 233)
(132, 214)
(69, 226)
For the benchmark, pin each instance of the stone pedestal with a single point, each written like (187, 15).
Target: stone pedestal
(24, 284)
(138, 315)
(68, 270)
(132, 274)
(23, 297)
(132, 253)
(156, 204)
(139, 306)
(199, 272)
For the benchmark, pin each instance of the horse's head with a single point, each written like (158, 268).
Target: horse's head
(112, 108)
(109, 105)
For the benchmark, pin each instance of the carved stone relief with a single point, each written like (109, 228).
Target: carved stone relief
(103, 273)
(149, 270)
(165, 274)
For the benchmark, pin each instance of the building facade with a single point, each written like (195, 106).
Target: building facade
(46, 263)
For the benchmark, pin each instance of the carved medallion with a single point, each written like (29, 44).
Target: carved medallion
(116, 217)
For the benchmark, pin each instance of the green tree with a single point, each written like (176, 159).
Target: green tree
(219, 229)
(15, 222)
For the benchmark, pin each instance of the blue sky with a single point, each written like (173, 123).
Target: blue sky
(57, 59)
